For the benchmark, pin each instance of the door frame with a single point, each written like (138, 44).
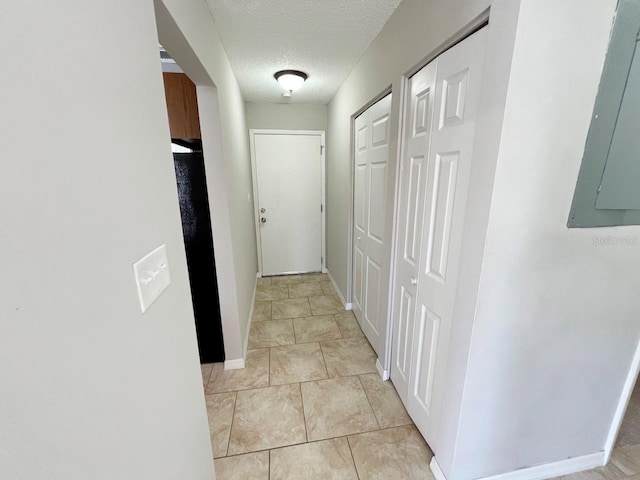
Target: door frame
(472, 27)
(382, 364)
(633, 376)
(254, 180)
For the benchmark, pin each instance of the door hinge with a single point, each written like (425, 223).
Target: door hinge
(599, 188)
(321, 149)
(321, 209)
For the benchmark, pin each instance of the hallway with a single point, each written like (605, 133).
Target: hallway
(309, 403)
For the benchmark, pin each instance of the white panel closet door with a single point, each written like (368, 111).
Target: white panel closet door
(449, 155)
(370, 249)
(289, 192)
(411, 197)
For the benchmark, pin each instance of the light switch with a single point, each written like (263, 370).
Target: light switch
(152, 276)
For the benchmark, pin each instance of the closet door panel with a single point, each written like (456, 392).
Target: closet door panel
(419, 105)
(457, 94)
(371, 263)
(360, 213)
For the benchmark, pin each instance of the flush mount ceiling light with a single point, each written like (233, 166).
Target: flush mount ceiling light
(290, 80)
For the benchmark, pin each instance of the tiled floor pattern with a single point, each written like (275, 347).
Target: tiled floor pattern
(309, 403)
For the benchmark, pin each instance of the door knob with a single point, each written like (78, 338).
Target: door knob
(263, 220)
(262, 210)
(414, 281)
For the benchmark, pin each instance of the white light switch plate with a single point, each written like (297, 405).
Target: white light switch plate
(152, 276)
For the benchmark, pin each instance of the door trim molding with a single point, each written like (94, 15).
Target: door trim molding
(538, 472)
(254, 180)
(352, 188)
(395, 221)
(384, 374)
(347, 306)
(623, 404)
(472, 27)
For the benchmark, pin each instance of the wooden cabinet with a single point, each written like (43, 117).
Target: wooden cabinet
(182, 105)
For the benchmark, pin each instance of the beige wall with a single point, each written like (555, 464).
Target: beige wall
(556, 324)
(93, 388)
(281, 116)
(230, 176)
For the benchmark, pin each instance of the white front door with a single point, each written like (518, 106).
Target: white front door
(422, 333)
(289, 192)
(370, 248)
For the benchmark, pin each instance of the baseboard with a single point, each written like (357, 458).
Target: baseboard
(246, 337)
(383, 373)
(238, 363)
(435, 469)
(623, 405)
(539, 472)
(234, 364)
(347, 306)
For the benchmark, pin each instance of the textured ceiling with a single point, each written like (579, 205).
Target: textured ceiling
(324, 38)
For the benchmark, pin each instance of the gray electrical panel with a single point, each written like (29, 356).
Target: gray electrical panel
(608, 188)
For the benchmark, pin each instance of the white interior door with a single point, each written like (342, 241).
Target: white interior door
(426, 332)
(289, 201)
(411, 201)
(370, 249)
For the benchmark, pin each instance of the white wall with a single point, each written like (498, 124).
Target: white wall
(230, 180)
(283, 116)
(91, 387)
(557, 315)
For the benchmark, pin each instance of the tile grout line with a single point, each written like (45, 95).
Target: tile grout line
(210, 375)
(267, 449)
(324, 439)
(369, 401)
(318, 380)
(304, 415)
(324, 361)
(342, 337)
(233, 417)
(295, 336)
(353, 458)
(269, 368)
(235, 401)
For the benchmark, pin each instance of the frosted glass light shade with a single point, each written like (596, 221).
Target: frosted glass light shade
(290, 80)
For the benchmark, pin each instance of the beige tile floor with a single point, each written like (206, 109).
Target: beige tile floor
(309, 403)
